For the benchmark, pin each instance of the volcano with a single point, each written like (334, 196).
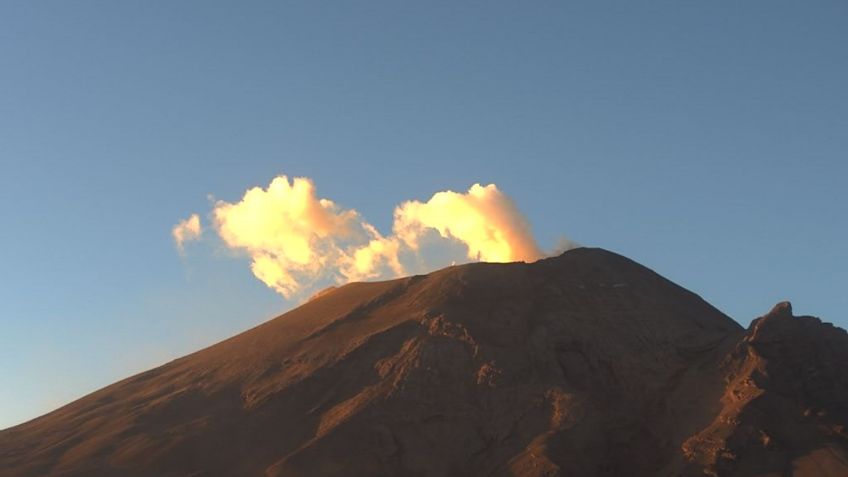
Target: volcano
(585, 364)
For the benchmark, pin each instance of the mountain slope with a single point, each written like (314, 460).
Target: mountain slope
(785, 408)
(583, 364)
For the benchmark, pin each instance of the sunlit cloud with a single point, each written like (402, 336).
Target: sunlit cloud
(297, 241)
(186, 230)
(484, 219)
(292, 237)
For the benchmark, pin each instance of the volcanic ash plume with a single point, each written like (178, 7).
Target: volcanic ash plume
(296, 240)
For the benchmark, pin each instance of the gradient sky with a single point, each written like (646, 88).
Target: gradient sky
(706, 140)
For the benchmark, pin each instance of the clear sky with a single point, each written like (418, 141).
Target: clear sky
(706, 140)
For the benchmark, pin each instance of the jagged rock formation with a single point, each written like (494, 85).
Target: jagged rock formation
(785, 405)
(585, 364)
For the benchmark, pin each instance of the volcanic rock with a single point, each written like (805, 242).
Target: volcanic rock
(586, 364)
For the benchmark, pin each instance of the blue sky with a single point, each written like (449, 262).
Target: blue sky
(704, 139)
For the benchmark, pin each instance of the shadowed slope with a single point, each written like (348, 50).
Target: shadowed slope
(583, 364)
(785, 406)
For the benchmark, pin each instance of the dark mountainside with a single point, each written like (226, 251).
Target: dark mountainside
(586, 364)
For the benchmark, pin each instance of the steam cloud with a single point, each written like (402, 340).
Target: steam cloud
(188, 229)
(484, 219)
(296, 240)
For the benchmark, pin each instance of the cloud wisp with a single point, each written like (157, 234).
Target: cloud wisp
(186, 230)
(297, 241)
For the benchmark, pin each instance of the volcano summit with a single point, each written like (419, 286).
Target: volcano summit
(586, 364)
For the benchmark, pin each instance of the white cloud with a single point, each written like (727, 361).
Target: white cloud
(187, 230)
(297, 241)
